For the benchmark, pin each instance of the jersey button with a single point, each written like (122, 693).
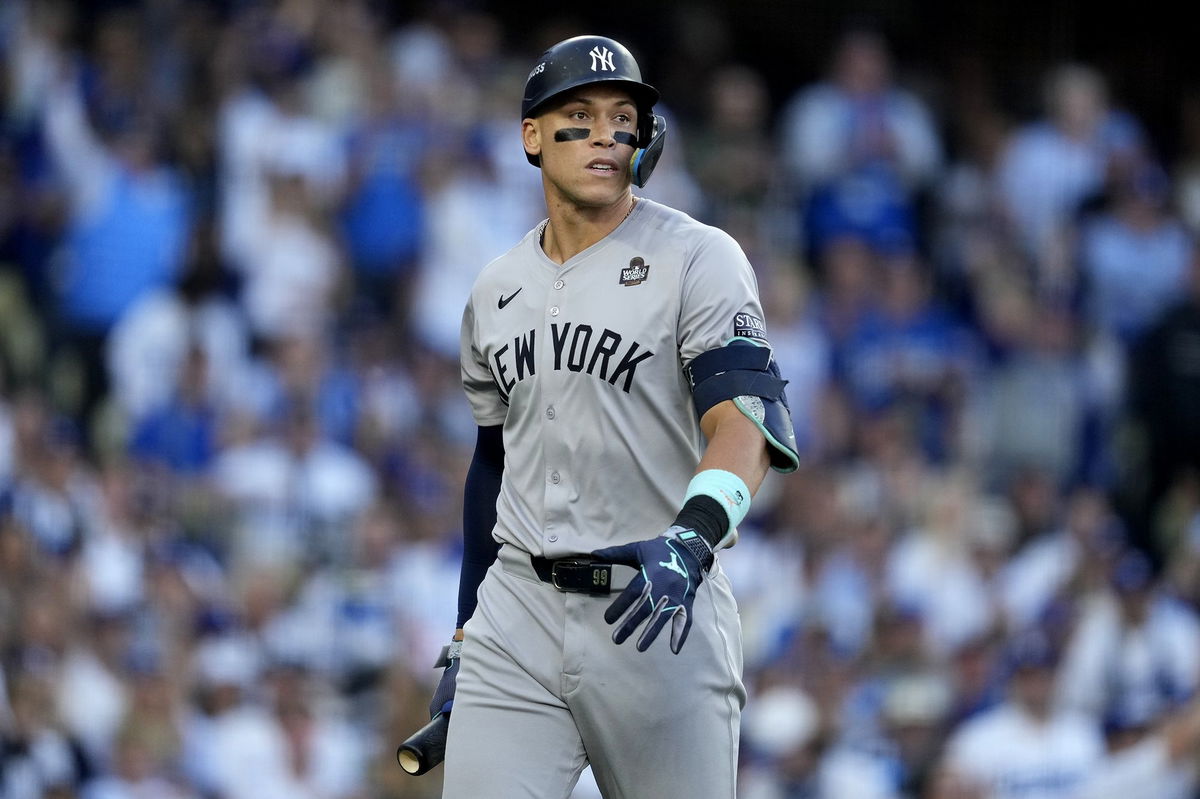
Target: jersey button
(554, 311)
(558, 284)
(550, 412)
(555, 478)
(554, 538)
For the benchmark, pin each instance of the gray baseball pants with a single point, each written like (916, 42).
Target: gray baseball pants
(543, 691)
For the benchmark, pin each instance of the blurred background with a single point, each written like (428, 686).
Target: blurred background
(236, 237)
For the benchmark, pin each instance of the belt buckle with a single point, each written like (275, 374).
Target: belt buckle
(599, 582)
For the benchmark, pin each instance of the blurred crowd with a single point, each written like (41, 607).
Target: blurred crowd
(235, 242)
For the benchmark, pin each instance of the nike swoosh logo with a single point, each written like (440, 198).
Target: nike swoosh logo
(506, 300)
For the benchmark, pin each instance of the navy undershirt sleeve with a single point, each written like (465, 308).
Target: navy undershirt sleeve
(479, 516)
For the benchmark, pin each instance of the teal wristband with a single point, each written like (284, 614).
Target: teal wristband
(727, 489)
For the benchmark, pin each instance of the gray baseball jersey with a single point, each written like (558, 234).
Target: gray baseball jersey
(583, 365)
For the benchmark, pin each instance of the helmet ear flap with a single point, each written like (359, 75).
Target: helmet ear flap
(644, 159)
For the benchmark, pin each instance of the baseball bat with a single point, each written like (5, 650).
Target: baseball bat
(426, 747)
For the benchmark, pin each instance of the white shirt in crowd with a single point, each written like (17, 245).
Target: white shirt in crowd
(149, 344)
(1155, 662)
(1012, 755)
(279, 494)
(1143, 770)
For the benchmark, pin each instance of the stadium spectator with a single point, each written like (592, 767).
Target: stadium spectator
(848, 585)
(150, 344)
(911, 355)
(323, 755)
(1062, 563)
(803, 351)
(969, 238)
(264, 125)
(1034, 407)
(1134, 256)
(845, 297)
(293, 492)
(383, 216)
(469, 188)
(180, 435)
(1053, 166)
(858, 147)
(1149, 754)
(37, 757)
(945, 566)
(232, 745)
(1135, 650)
(1025, 746)
(731, 152)
(305, 368)
(127, 229)
(137, 771)
(782, 746)
(292, 270)
(975, 674)
(54, 495)
(912, 727)
(92, 692)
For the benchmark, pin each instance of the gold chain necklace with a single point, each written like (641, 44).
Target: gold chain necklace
(632, 203)
(546, 224)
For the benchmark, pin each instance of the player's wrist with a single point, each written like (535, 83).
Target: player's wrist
(450, 653)
(731, 496)
(705, 515)
(695, 544)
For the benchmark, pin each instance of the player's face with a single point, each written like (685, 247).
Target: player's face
(585, 145)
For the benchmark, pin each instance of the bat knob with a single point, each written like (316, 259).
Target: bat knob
(425, 748)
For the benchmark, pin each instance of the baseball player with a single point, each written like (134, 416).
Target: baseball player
(628, 404)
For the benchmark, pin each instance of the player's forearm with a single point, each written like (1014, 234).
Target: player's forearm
(479, 517)
(735, 445)
(730, 472)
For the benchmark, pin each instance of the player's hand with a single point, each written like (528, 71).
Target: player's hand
(670, 569)
(443, 696)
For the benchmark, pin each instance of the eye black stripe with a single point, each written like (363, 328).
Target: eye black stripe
(571, 134)
(621, 137)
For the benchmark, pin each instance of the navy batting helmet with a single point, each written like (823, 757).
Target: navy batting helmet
(579, 61)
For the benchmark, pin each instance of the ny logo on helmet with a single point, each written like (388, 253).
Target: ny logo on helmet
(602, 59)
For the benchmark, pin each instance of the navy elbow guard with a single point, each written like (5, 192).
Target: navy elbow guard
(746, 373)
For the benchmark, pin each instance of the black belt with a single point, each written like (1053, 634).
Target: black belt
(574, 575)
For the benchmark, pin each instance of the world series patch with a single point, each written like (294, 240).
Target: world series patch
(635, 274)
(747, 325)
